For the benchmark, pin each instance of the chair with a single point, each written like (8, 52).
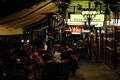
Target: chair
(55, 71)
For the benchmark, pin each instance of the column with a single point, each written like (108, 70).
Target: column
(96, 35)
(31, 35)
(66, 16)
(46, 35)
(100, 42)
(89, 19)
(60, 35)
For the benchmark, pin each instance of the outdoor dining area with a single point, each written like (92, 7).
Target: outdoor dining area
(33, 63)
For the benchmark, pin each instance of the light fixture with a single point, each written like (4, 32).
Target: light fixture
(79, 7)
(92, 33)
(57, 17)
(22, 40)
(89, 13)
(28, 41)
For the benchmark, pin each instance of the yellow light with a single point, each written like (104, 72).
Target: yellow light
(28, 41)
(22, 40)
(91, 33)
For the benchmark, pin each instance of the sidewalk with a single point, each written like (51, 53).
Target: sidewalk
(94, 71)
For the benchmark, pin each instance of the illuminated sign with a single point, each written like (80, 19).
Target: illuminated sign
(76, 29)
(114, 22)
(80, 18)
(77, 18)
(97, 24)
(98, 18)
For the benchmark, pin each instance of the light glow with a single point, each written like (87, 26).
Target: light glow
(22, 40)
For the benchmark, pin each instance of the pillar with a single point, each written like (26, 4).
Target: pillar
(31, 35)
(60, 35)
(46, 35)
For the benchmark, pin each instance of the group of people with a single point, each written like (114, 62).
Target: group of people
(35, 57)
(88, 48)
(66, 54)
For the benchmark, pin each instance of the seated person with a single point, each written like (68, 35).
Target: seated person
(9, 62)
(57, 53)
(47, 56)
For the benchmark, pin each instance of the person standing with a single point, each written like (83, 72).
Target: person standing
(89, 48)
(85, 48)
(45, 47)
(79, 47)
(94, 50)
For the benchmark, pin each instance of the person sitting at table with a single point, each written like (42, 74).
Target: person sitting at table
(57, 53)
(22, 53)
(47, 56)
(38, 62)
(66, 55)
(68, 48)
(74, 65)
(9, 62)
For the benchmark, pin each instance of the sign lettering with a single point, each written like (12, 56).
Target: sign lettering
(80, 18)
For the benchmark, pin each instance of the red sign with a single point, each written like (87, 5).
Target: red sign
(76, 29)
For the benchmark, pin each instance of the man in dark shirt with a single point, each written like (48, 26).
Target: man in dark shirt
(9, 62)
(66, 55)
(47, 56)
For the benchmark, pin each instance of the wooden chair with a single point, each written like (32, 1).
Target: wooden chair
(55, 71)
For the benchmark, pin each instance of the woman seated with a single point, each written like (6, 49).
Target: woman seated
(57, 52)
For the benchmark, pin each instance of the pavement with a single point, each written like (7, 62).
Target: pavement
(89, 70)
(94, 71)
